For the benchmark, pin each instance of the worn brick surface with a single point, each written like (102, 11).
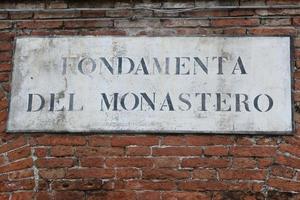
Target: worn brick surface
(118, 166)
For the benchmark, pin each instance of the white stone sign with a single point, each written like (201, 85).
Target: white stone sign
(152, 84)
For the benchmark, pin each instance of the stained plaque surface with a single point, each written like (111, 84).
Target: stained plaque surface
(153, 84)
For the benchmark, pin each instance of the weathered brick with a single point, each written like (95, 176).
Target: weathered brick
(112, 195)
(282, 171)
(58, 151)
(69, 195)
(185, 195)
(88, 23)
(129, 162)
(127, 173)
(149, 185)
(242, 174)
(22, 196)
(272, 31)
(209, 140)
(96, 141)
(244, 163)
(23, 152)
(60, 140)
(99, 151)
(21, 174)
(205, 162)
(165, 174)
(258, 151)
(93, 13)
(54, 162)
(204, 174)
(216, 151)
(234, 22)
(22, 164)
(148, 195)
(134, 140)
(90, 173)
(77, 185)
(52, 173)
(284, 185)
(56, 14)
(170, 23)
(166, 162)
(288, 161)
(176, 151)
(39, 24)
(92, 162)
(20, 15)
(138, 151)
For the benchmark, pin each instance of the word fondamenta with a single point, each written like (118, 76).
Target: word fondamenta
(152, 84)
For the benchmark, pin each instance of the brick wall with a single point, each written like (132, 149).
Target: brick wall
(155, 166)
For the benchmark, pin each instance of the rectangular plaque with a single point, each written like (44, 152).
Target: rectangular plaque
(152, 84)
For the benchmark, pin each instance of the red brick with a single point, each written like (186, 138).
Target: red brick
(5, 57)
(173, 23)
(166, 162)
(39, 24)
(244, 163)
(176, 151)
(88, 23)
(21, 15)
(40, 152)
(209, 140)
(23, 152)
(235, 31)
(170, 174)
(242, 174)
(174, 141)
(92, 13)
(277, 22)
(99, 151)
(52, 173)
(241, 12)
(234, 22)
(149, 185)
(288, 161)
(43, 195)
(3, 103)
(282, 171)
(272, 31)
(284, 185)
(57, 151)
(56, 14)
(5, 45)
(4, 67)
(60, 140)
(22, 196)
(112, 195)
(265, 162)
(134, 140)
(138, 151)
(216, 151)
(76, 185)
(127, 173)
(213, 185)
(185, 196)
(257, 151)
(205, 13)
(292, 149)
(21, 174)
(92, 162)
(26, 184)
(205, 162)
(204, 174)
(148, 195)
(97, 141)
(90, 173)
(22, 164)
(2, 160)
(4, 196)
(58, 5)
(54, 162)
(245, 141)
(129, 162)
(69, 195)
(266, 141)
